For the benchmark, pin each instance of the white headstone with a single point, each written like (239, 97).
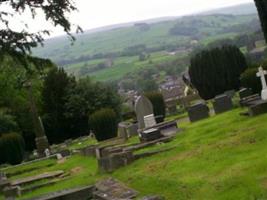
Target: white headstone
(47, 152)
(149, 121)
(262, 74)
(59, 156)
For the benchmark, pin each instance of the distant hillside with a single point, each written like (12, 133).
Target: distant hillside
(243, 9)
(112, 52)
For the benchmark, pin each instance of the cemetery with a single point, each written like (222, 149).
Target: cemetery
(193, 132)
(158, 152)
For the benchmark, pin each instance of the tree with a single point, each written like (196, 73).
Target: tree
(54, 97)
(86, 98)
(54, 11)
(104, 124)
(215, 71)
(158, 103)
(262, 10)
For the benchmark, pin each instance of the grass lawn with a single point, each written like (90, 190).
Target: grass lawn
(223, 157)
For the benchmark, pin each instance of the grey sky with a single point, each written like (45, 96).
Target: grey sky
(97, 13)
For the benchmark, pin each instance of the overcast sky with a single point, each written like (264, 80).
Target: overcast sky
(98, 13)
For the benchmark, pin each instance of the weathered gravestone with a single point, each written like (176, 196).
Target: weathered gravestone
(111, 189)
(143, 108)
(122, 130)
(222, 103)
(150, 135)
(198, 112)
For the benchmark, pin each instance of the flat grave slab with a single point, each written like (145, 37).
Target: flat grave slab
(36, 178)
(111, 189)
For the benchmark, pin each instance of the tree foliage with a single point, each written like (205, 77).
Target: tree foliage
(250, 80)
(11, 148)
(215, 71)
(158, 103)
(104, 124)
(54, 11)
(262, 10)
(54, 97)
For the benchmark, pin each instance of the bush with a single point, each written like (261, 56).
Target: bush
(11, 148)
(250, 80)
(215, 71)
(7, 123)
(104, 124)
(158, 103)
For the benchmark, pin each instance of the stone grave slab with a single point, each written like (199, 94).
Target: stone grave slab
(258, 108)
(150, 135)
(38, 177)
(111, 189)
(222, 103)
(82, 193)
(198, 112)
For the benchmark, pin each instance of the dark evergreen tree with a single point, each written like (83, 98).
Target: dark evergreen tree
(158, 103)
(262, 10)
(215, 71)
(54, 97)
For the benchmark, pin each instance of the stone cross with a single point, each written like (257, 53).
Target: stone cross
(262, 74)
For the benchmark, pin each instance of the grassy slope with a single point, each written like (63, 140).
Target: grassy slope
(223, 157)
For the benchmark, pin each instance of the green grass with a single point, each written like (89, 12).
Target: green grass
(223, 157)
(81, 144)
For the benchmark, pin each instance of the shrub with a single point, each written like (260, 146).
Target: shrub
(11, 148)
(215, 71)
(158, 103)
(7, 123)
(104, 124)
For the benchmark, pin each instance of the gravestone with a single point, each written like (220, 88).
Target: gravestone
(150, 135)
(133, 129)
(222, 103)
(143, 107)
(149, 121)
(111, 189)
(122, 130)
(245, 92)
(258, 108)
(198, 112)
(262, 74)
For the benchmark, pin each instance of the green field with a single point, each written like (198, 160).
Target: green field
(223, 157)
(76, 58)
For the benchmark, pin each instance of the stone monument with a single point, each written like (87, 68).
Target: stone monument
(143, 108)
(262, 74)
